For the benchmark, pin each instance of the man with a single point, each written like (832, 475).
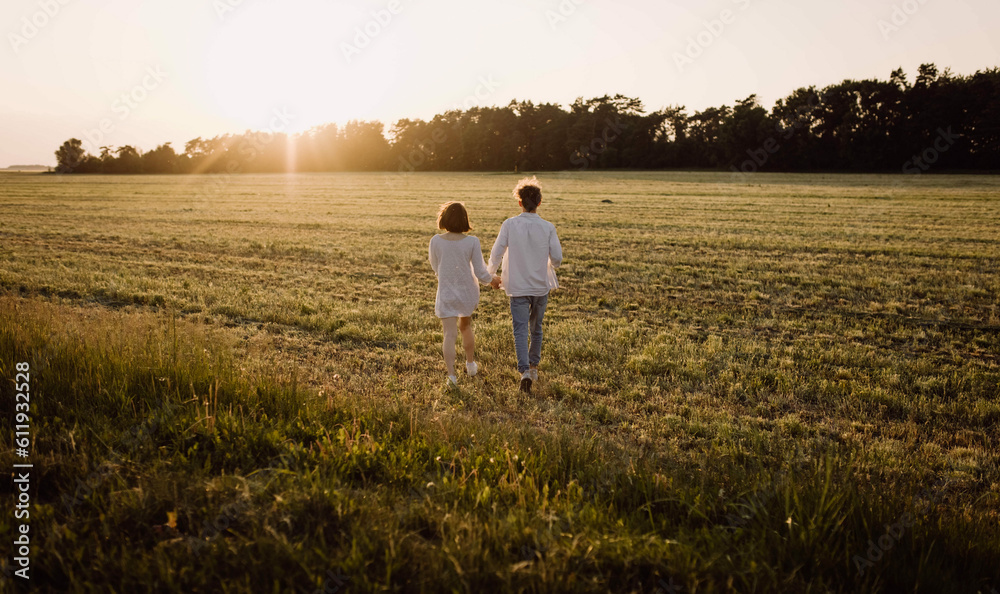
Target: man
(530, 252)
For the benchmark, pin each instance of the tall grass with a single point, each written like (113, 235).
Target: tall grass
(166, 463)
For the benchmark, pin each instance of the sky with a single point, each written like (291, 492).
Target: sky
(116, 72)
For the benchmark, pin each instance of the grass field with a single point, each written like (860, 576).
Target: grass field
(783, 386)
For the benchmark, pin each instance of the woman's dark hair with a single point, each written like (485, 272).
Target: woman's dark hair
(453, 217)
(529, 192)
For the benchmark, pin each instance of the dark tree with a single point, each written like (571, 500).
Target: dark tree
(162, 159)
(946, 121)
(69, 156)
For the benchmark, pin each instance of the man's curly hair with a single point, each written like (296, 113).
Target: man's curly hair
(529, 192)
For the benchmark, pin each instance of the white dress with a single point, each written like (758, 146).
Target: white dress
(457, 264)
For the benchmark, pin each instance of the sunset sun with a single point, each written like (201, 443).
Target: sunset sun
(265, 59)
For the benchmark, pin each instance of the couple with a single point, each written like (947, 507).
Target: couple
(530, 252)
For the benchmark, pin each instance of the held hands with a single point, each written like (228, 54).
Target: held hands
(495, 283)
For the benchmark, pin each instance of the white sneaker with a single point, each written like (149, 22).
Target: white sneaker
(534, 374)
(471, 368)
(526, 382)
(452, 382)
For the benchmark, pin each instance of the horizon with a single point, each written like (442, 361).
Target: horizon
(241, 62)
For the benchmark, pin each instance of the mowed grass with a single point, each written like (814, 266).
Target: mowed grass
(788, 385)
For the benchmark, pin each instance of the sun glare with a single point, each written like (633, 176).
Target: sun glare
(268, 59)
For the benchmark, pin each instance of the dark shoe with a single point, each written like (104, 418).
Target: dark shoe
(526, 384)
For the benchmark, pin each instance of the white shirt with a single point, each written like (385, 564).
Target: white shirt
(457, 263)
(531, 252)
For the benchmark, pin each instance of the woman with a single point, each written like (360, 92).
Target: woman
(457, 259)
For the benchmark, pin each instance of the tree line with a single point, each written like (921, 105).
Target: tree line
(940, 121)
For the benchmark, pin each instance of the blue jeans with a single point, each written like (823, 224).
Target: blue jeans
(527, 313)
